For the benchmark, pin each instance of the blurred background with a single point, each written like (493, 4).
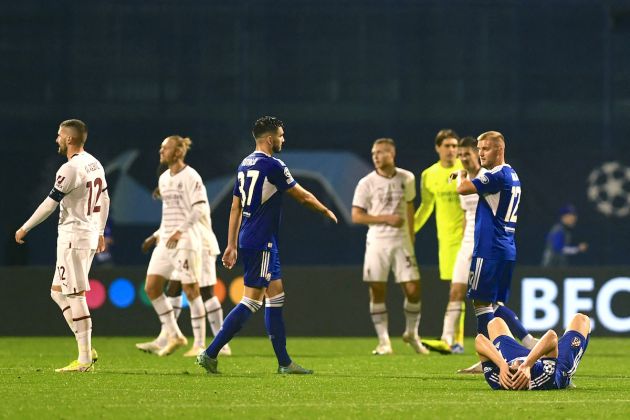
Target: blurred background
(552, 76)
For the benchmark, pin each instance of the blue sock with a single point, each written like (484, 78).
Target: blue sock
(512, 321)
(274, 322)
(484, 315)
(232, 325)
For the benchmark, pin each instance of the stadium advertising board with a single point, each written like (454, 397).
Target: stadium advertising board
(325, 301)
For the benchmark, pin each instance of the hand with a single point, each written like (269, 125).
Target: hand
(583, 247)
(505, 377)
(229, 257)
(331, 215)
(101, 247)
(172, 241)
(520, 380)
(393, 220)
(19, 235)
(149, 243)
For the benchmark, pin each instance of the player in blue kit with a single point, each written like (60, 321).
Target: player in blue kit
(494, 254)
(551, 364)
(253, 233)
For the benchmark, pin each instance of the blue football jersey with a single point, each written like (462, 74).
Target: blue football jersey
(543, 374)
(495, 220)
(260, 182)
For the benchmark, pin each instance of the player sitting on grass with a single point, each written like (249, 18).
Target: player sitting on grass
(551, 364)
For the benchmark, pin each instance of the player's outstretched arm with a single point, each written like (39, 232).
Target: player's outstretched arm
(42, 212)
(547, 346)
(487, 351)
(466, 187)
(231, 250)
(307, 199)
(361, 217)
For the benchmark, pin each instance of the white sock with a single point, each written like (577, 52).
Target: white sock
(412, 317)
(529, 341)
(198, 321)
(451, 321)
(165, 312)
(82, 323)
(378, 311)
(176, 303)
(214, 313)
(63, 304)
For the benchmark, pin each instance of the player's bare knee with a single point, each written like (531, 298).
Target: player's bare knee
(191, 290)
(207, 292)
(173, 288)
(580, 323)
(498, 327)
(457, 293)
(378, 292)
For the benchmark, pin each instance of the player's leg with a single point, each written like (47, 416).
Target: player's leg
(482, 290)
(580, 323)
(504, 276)
(74, 284)
(571, 348)
(187, 270)
(406, 273)
(214, 311)
(254, 263)
(154, 288)
(173, 293)
(376, 267)
(498, 327)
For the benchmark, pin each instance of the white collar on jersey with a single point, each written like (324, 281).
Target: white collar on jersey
(260, 151)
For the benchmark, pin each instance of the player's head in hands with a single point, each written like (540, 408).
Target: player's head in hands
(491, 146)
(71, 136)
(383, 154)
(446, 142)
(269, 134)
(173, 149)
(468, 154)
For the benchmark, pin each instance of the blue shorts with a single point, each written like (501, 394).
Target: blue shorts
(489, 280)
(261, 267)
(571, 348)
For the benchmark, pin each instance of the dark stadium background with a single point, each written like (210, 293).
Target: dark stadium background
(553, 76)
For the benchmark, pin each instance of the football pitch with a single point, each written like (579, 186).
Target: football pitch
(348, 383)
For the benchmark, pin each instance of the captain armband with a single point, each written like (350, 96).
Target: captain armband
(56, 195)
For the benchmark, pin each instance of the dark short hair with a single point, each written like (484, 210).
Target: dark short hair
(468, 142)
(79, 126)
(264, 125)
(445, 133)
(385, 140)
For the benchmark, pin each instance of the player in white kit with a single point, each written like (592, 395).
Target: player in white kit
(383, 200)
(81, 190)
(452, 339)
(208, 279)
(176, 256)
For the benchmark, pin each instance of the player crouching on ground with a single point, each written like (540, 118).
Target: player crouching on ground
(551, 364)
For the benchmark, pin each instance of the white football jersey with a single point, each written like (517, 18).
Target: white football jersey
(469, 205)
(379, 195)
(81, 182)
(208, 238)
(179, 193)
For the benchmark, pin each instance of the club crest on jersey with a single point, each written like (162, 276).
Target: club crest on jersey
(180, 186)
(576, 342)
(484, 179)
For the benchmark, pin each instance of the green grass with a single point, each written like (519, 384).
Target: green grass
(348, 383)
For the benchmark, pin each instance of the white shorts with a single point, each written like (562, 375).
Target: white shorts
(208, 269)
(461, 270)
(72, 268)
(175, 264)
(385, 255)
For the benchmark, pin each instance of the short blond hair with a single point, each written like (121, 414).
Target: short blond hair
(492, 135)
(182, 143)
(385, 140)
